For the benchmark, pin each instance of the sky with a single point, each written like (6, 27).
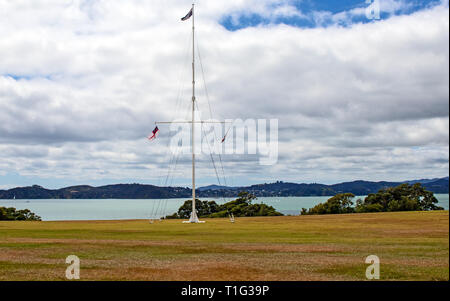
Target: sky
(83, 81)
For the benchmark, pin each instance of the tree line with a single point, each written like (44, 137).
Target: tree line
(240, 207)
(12, 214)
(404, 197)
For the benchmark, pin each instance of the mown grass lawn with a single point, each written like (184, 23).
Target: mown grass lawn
(410, 245)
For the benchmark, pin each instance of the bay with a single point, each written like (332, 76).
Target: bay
(116, 209)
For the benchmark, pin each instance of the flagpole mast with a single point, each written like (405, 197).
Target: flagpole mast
(194, 218)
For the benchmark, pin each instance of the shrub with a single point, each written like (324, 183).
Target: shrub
(242, 206)
(11, 214)
(404, 197)
(340, 203)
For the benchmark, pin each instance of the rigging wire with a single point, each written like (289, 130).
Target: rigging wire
(212, 159)
(159, 209)
(179, 108)
(210, 110)
(161, 206)
(210, 152)
(215, 135)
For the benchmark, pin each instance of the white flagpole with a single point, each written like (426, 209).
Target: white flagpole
(194, 218)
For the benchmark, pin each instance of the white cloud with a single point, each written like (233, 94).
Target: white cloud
(368, 101)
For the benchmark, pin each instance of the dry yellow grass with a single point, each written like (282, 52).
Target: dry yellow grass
(410, 245)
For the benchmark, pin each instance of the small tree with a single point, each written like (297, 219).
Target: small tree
(404, 197)
(242, 206)
(203, 208)
(11, 214)
(340, 203)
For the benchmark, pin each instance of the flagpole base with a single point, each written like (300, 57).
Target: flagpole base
(193, 219)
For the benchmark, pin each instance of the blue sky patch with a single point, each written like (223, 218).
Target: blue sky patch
(27, 77)
(311, 14)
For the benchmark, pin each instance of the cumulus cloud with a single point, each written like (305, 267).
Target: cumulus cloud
(82, 82)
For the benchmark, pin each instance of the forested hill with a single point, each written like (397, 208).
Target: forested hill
(294, 189)
(118, 191)
(139, 191)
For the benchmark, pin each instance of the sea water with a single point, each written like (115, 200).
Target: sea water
(111, 209)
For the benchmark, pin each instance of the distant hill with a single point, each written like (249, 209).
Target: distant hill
(424, 181)
(216, 187)
(294, 189)
(279, 188)
(438, 186)
(118, 191)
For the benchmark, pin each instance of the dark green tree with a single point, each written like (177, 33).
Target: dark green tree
(340, 203)
(11, 214)
(242, 206)
(203, 208)
(404, 197)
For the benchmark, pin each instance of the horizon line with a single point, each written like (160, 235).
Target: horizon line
(275, 182)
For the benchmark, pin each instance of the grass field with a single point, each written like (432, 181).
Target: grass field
(410, 245)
